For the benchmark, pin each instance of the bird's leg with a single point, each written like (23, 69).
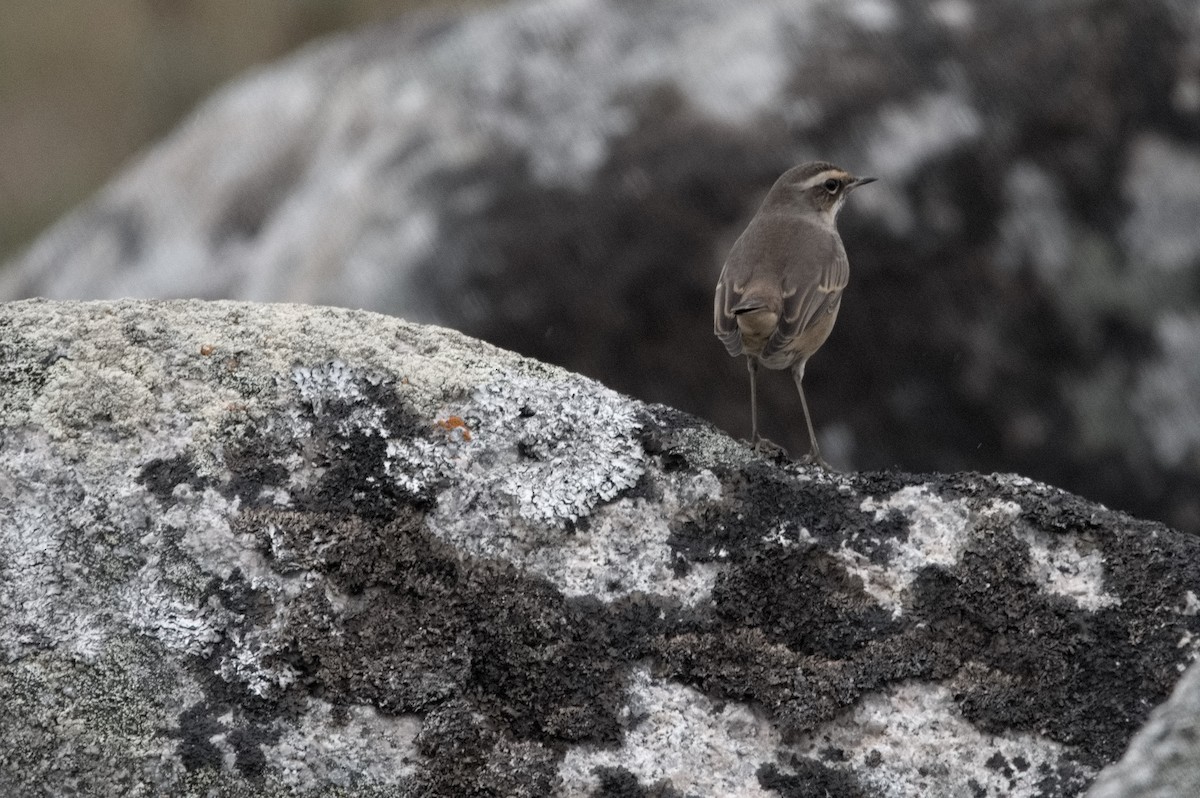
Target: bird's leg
(814, 451)
(752, 367)
(757, 442)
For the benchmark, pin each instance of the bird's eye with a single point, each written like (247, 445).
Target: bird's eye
(832, 185)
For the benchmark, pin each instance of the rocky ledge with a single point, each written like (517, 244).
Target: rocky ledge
(282, 550)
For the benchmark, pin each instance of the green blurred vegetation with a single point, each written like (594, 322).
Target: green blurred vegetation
(85, 84)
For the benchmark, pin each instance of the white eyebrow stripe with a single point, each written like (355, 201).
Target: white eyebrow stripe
(822, 177)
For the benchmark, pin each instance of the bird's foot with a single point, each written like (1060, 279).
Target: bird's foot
(768, 448)
(815, 459)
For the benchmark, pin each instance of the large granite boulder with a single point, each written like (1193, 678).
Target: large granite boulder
(564, 177)
(259, 550)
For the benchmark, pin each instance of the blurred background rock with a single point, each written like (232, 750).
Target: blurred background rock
(84, 87)
(564, 178)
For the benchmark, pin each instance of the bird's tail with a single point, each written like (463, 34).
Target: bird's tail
(748, 305)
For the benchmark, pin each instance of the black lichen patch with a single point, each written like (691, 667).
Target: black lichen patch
(503, 669)
(501, 666)
(197, 727)
(542, 660)
(497, 663)
(255, 463)
(340, 435)
(617, 782)
(790, 629)
(798, 691)
(1088, 678)
(470, 757)
(661, 428)
(804, 599)
(1066, 778)
(793, 632)
(427, 625)
(810, 778)
(23, 372)
(766, 500)
(244, 725)
(161, 476)
(1038, 662)
(396, 646)
(999, 763)
(352, 455)
(245, 721)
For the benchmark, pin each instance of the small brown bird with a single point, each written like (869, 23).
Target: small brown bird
(781, 287)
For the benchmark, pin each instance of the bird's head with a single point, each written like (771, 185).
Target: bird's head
(815, 187)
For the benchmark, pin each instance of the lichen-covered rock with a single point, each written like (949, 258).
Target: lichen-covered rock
(1164, 759)
(564, 178)
(282, 550)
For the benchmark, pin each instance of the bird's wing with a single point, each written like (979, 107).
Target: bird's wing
(725, 324)
(812, 287)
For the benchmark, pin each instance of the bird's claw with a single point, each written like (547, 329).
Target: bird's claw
(768, 448)
(815, 459)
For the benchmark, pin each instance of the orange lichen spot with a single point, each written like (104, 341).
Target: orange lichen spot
(456, 426)
(207, 349)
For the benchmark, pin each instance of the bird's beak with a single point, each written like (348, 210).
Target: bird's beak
(862, 181)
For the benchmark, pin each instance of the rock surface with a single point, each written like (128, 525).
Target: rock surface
(564, 177)
(1164, 759)
(283, 550)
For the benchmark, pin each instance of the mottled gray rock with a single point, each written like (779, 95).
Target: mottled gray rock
(564, 177)
(1164, 759)
(282, 550)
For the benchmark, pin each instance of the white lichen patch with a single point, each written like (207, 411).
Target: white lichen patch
(31, 548)
(542, 452)
(255, 661)
(334, 381)
(914, 735)
(1016, 481)
(203, 520)
(417, 464)
(937, 532)
(787, 534)
(1191, 643)
(1061, 567)
(569, 444)
(624, 548)
(539, 454)
(181, 627)
(678, 737)
(347, 748)
(63, 556)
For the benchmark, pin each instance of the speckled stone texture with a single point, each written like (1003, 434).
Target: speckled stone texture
(1164, 759)
(564, 178)
(256, 550)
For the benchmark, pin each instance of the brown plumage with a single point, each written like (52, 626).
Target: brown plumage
(781, 287)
